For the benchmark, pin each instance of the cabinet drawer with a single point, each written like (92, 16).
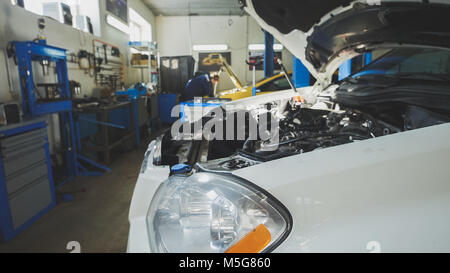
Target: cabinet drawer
(25, 143)
(16, 151)
(23, 161)
(30, 201)
(18, 181)
(21, 139)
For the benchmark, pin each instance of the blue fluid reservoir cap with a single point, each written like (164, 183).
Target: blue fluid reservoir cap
(181, 168)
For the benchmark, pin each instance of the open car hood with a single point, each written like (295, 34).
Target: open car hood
(323, 34)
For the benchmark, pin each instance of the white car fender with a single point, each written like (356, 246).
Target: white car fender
(392, 191)
(148, 182)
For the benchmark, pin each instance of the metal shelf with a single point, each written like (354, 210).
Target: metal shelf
(152, 49)
(139, 66)
(143, 46)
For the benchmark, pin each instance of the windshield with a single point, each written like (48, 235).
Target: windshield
(278, 84)
(410, 62)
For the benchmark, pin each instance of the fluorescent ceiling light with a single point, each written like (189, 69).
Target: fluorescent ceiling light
(278, 47)
(116, 23)
(261, 47)
(256, 47)
(210, 47)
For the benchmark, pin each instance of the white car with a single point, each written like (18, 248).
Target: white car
(363, 168)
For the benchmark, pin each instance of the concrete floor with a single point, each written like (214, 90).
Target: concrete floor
(97, 218)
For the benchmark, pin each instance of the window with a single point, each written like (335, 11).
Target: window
(276, 85)
(410, 62)
(37, 6)
(140, 29)
(135, 32)
(69, 12)
(117, 24)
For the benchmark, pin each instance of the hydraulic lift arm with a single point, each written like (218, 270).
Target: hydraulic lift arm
(231, 73)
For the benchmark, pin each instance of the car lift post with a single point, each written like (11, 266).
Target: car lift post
(28, 52)
(268, 55)
(252, 64)
(300, 74)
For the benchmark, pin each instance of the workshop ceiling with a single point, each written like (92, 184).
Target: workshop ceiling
(194, 7)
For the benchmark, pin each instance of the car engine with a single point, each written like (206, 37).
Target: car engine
(301, 130)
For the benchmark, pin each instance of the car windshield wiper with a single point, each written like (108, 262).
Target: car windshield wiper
(423, 76)
(379, 80)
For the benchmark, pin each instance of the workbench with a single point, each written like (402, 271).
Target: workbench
(115, 123)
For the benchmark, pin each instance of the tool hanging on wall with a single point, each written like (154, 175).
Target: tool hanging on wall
(75, 88)
(109, 65)
(86, 61)
(41, 26)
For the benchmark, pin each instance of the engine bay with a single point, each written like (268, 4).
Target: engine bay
(300, 130)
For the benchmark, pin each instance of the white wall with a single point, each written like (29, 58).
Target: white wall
(21, 25)
(177, 34)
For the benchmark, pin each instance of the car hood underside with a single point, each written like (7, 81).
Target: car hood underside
(319, 33)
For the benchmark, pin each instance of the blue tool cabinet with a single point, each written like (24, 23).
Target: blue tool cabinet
(26, 181)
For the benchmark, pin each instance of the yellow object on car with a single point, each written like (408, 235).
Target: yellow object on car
(275, 83)
(266, 86)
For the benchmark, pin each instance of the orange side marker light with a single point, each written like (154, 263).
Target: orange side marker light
(299, 99)
(254, 242)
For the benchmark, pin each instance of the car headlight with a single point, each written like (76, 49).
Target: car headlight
(213, 213)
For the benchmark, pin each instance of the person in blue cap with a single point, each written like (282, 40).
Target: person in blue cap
(200, 86)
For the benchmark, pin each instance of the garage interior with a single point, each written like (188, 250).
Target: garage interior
(85, 86)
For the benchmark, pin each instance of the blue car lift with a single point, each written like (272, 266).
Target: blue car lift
(301, 76)
(28, 52)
